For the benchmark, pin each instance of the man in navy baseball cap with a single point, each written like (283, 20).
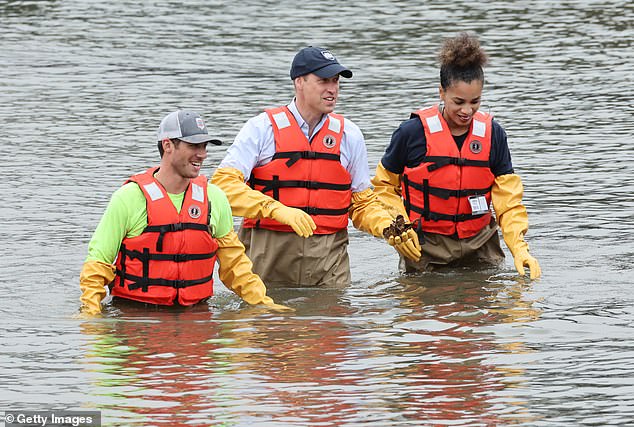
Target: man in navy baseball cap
(318, 61)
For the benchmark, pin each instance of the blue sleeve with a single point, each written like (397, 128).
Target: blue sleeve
(500, 159)
(407, 147)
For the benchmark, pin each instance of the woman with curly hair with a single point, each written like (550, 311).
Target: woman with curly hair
(448, 164)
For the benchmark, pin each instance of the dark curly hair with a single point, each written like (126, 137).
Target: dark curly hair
(461, 59)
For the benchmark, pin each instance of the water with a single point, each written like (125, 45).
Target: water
(82, 89)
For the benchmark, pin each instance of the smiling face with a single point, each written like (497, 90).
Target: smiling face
(316, 95)
(462, 101)
(185, 159)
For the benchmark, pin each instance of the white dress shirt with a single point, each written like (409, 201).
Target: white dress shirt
(255, 146)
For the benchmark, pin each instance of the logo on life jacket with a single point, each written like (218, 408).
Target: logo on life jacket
(194, 211)
(475, 146)
(329, 141)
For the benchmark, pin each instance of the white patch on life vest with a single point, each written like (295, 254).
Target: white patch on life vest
(434, 125)
(479, 128)
(334, 125)
(154, 191)
(281, 120)
(197, 193)
(478, 205)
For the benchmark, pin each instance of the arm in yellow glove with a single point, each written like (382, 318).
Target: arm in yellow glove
(249, 203)
(235, 271)
(387, 187)
(369, 215)
(94, 277)
(506, 195)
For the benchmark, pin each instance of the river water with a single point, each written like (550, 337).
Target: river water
(82, 88)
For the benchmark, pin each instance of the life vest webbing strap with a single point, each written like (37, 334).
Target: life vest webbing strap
(294, 156)
(321, 211)
(275, 183)
(444, 193)
(407, 201)
(435, 216)
(132, 254)
(167, 228)
(121, 272)
(143, 283)
(440, 161)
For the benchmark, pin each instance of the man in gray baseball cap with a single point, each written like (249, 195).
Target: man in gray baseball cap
(186, 126)
(163, 231)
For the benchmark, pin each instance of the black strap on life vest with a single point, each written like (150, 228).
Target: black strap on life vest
(407, 200)
(435, 216)
(142, 283)
(444, 193)
(321, 211)
(440, 161)
(168, 228)
(276, 183)
(294, 156)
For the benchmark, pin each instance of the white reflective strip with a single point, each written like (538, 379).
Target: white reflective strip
(281, 120)
(334, 125)
(197, 193)
(154, 191)
(479, 128)
(434, 125)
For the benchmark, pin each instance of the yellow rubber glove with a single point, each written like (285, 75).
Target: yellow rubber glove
(506, 195)
(235, 271)
(387, 187)
(369, 215)
(249, 203)
(407, 244)
(93, 279)
(300, 221)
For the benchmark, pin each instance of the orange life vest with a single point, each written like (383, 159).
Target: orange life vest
(450, 191)
(172, 260)
(305, 175)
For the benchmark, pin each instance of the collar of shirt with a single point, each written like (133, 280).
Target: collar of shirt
(292, 107)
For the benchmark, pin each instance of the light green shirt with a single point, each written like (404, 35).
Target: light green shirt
(126, 216)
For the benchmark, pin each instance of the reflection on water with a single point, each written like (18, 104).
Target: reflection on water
(82, 89)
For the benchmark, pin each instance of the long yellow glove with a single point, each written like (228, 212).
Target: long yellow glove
(249, 203)
(506, 195)
(235, 271)
(93, 279)
(387, 187)
(369, 215)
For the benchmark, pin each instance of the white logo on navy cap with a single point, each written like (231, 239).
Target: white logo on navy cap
(328, 55)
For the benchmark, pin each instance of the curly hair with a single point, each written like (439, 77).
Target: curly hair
(461, 59)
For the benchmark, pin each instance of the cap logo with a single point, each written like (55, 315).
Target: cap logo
(200, 123)
(194, 211)
(329, 141)
(329, 56)
(475, 147)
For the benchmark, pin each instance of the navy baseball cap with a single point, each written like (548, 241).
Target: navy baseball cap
(318, 61)
(186, 126)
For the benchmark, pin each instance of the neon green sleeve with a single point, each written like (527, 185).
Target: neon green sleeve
(125, 216)
(221, 219)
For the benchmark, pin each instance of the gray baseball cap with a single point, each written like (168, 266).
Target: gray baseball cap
(186, 126)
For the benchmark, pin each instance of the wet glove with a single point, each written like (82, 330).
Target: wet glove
(407, 244)
(94, 277)
(506, 195)
(235, 271)
(387, 187)
(297, 219)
